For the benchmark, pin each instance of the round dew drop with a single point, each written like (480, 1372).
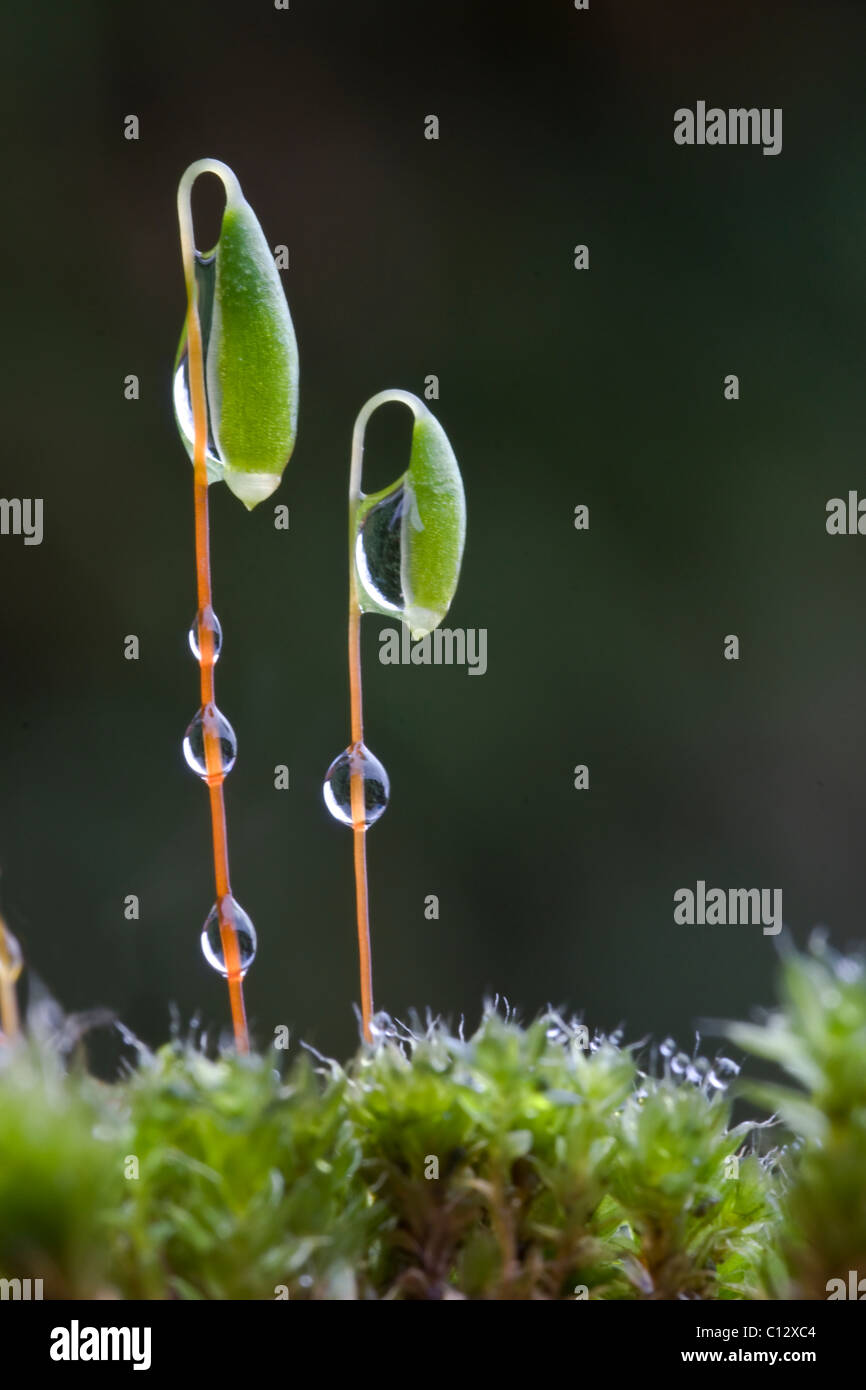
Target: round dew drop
(194, 744)
(721, 1073)
(337, 789)
(183, 414)
(245, 933)
(211, 623)
(379, 555)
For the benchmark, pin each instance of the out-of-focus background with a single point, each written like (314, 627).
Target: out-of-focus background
(410, 257)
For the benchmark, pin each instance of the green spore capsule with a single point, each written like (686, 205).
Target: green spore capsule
(249, 347)
(409, 537)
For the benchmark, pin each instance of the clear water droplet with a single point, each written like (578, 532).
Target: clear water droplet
(211, 719)
(211, 937)
(211, 623)
(337, 789)
(680, 1064)
(205, 274)
(721, 1072)
(183, 416)
(379, 553)
(668, 1047)
(725, 1067)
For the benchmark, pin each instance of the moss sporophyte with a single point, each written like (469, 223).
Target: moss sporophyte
(405, 550)
(236, 405)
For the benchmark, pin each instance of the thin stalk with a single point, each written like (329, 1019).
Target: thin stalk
(9, 1021)
(213, 752)
(356, 701)
(359, 828)
(10, 969)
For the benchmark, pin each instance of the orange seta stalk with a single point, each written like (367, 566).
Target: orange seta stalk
(213, 754)
(9, 972)
(359, 833)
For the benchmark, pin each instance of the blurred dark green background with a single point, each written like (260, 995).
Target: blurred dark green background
(410, 257)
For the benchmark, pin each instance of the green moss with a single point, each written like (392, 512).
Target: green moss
(818, 1037)
(517, 1163)
(60, 1174)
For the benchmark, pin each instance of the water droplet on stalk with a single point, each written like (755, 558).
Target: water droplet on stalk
(211, 623)
(379, 553)
(245, 932)
(337, 789)
(205, 274)
(210, 720)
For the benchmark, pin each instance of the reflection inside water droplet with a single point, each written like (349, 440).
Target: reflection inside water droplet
(378, 555)
(211, 623)
(211, 720)
(211, 937)
(337, 789)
